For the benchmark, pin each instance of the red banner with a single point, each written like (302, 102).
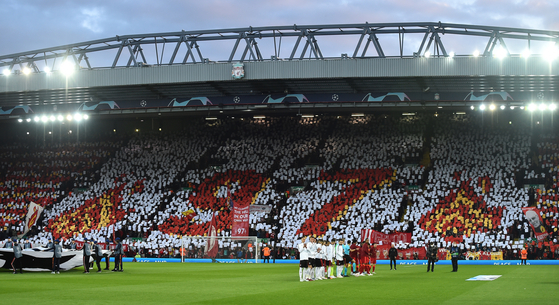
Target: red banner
(411, 253)
(387, 239)
(443, 254)
(532, 214)
(240, 220)
(211, 243)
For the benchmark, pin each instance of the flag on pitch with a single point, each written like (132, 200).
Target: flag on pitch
(33, 214)
(211, 243)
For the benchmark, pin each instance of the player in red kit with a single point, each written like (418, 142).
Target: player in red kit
(373, 257)
(354, 254)
(364, 258)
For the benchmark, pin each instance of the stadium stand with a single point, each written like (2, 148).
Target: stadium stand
(444, 179)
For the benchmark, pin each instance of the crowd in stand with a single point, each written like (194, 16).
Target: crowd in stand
(353, 173)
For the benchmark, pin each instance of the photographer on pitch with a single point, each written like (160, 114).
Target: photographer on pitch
(432, 251)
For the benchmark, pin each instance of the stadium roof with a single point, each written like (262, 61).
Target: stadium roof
(411, 58)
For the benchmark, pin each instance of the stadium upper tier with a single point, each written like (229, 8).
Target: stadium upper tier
(298, 59)
(441, 178)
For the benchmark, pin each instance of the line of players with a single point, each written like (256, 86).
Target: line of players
(318, 258)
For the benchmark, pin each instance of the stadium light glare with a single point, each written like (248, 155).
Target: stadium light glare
(552, 107)
(492, 107)
(36, 119)
(69, 117)
(78, 117)
(542, 107)
(482, 107)
(522, 107)
(26, 71)
(20, 120)
(47, 70)
(502, 107)
(6, 72)
(526, 53)
(512, 107)
(476, 53)
(550, 53)
(44, 119)
(532, 107)
(67, 68)
(427, 54)
(52, 118)
(86, 116)
(472, 107)
(500, 53)
(451, 54)
(28, 120)
(60, 118)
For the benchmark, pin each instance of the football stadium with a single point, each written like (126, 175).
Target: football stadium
(413, 168)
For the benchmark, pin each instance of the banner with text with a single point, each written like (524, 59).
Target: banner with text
(240, 220)
(387, 239)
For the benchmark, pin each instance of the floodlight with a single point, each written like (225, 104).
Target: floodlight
(67, 68)
(60, 118)
(502, 107)
(26, 71)
(492, 107)
(36, 119)
(47, 69)
(85, 116)
(52, 118)
(550, 53)
(6, 72)
(472, 107)
(542, 107)
(451, 54)
(28, 120)
(20, 120)
(532, 107)
(78, 117)
(69, 117)
(552, 107)
(44, 119)
(482, 107)
(427, 54)
(476, 53)
(526, 53)
(512, 107)
(500, 53)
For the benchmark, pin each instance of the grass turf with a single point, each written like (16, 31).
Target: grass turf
(175, 283)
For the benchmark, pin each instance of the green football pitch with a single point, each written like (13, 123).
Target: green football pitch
(175, 283)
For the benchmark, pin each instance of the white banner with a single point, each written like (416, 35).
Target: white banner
(255, 208)
(33, 214)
